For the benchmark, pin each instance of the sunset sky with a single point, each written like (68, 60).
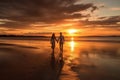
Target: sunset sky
(86, 17)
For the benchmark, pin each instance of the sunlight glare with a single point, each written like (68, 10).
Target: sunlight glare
(72, 31)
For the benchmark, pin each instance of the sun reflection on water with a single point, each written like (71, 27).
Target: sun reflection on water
(72, 44)
(72, 49)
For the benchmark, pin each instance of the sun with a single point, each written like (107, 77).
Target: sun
(72, 31)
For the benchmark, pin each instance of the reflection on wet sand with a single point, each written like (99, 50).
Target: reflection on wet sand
(23, 62)
(72, 44)
(57, 64)
(31, 60)
(92, 61)
(53, 60)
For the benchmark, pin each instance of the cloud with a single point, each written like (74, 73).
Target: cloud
(22, 13)
(103, 21)
(94, 8)
(115, 9)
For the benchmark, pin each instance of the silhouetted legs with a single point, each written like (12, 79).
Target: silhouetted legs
(61, 47)
(53, 46)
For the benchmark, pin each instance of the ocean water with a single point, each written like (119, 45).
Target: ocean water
(88, 59)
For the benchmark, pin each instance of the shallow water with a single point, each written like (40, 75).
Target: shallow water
(91, 61)
(82, 60)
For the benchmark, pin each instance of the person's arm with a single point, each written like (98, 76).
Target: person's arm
(51, 40)
(55, 38)
(58, 39)
(63, 39)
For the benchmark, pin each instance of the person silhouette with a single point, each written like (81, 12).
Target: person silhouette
(52, 41)
(61, 41)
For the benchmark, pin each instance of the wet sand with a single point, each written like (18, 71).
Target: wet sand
(18, 62)
(34, 60)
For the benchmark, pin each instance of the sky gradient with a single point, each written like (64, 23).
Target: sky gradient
(33, 17)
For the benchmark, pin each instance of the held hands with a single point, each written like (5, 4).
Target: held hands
(57, 41)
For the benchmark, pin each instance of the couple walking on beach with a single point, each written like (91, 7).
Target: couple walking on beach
(60, 40)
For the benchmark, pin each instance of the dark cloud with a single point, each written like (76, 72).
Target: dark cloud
(25, 12)
(104, 21)
(94, 8)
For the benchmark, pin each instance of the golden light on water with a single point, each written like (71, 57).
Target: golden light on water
(72, 49)
(72, 44)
